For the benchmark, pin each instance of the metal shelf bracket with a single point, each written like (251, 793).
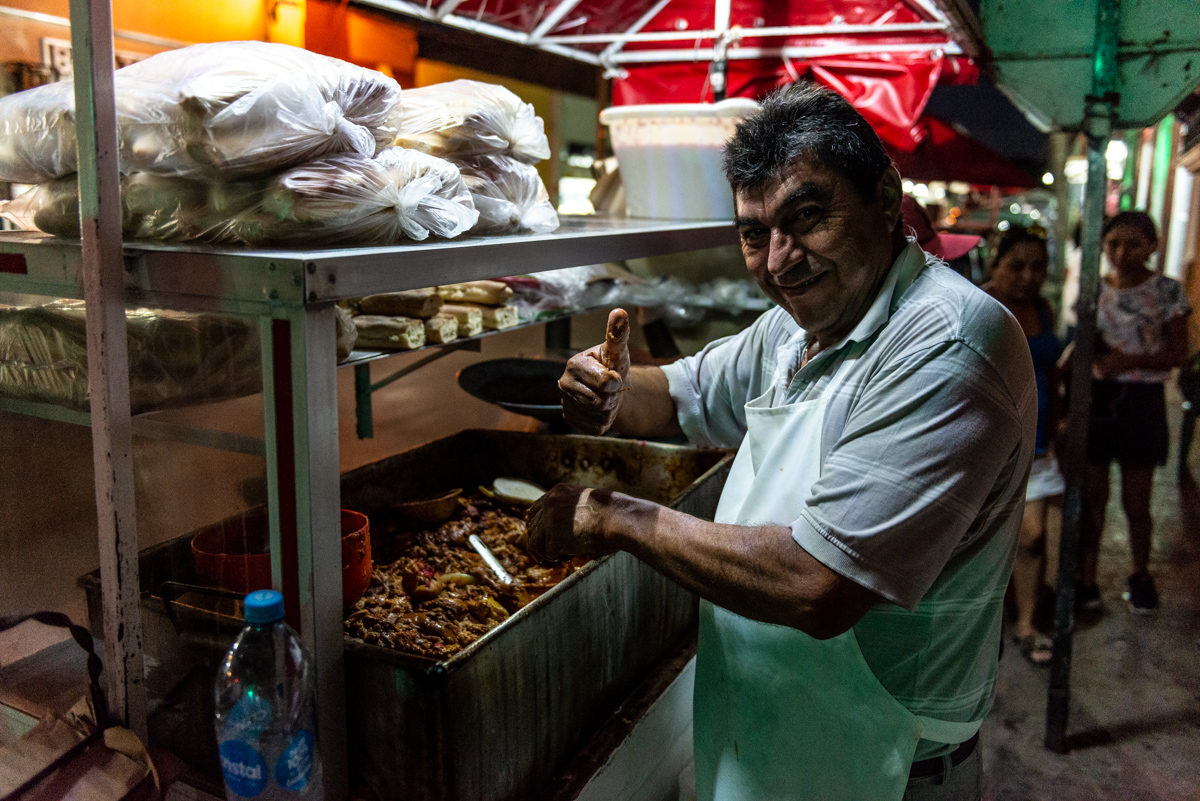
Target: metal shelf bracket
(363, 388)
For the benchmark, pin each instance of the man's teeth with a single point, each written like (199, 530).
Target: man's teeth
(810, 281)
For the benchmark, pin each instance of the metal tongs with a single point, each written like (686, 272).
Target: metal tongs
(490, 558)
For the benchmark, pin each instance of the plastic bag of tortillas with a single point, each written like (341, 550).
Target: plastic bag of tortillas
(509, 196)
(398, 194)
(344, 199)
(468, 118)
(219, 110)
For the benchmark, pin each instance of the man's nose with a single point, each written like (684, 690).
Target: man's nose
(784, 254)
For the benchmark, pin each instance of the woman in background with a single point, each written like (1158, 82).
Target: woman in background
(1018, 270)
(1141, 328)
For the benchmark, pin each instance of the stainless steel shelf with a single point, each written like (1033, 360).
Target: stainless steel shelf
(290, 293)
(44, 264)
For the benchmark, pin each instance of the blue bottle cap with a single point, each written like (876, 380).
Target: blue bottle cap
(264, 606)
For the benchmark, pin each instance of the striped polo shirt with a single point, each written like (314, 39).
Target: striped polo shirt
(926, 447)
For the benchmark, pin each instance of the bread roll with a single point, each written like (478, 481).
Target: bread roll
(489, 293)
(347, 334)
(423, 303)
(441, 328)
(389, 333)
(497, 318)
(470, 318)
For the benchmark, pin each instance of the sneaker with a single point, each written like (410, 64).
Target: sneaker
(1087, 597)
(1142, 595)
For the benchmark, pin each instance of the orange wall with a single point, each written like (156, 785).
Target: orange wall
(361, 37)
(186, 21)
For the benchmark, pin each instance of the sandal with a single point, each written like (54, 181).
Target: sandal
(1037, 648)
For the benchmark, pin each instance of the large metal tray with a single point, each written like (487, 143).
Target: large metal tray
(497, 720)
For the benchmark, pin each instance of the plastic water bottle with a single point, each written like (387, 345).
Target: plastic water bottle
(266, 729)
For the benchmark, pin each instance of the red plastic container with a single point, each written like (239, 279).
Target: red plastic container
(235, 554)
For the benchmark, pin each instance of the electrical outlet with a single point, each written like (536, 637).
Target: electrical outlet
(56, 53)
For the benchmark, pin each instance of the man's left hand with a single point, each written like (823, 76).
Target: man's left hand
(568, 521)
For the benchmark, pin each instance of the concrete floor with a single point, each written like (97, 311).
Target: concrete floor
(1135, 711)
(1134, 725)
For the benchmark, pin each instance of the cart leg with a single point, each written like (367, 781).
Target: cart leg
(300, 381)
(108, 361)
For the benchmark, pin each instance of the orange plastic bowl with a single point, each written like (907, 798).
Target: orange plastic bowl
(235, 554)
(356, 556)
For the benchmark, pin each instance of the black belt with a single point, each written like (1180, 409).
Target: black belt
(935, 765)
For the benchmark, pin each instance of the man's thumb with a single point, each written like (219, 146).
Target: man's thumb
(616, 339)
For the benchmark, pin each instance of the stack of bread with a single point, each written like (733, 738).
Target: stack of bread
(413, 318)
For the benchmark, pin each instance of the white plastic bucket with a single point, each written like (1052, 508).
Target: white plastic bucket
(670, 157)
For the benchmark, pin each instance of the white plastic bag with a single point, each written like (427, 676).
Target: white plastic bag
(344, 199)
(348, 198)
(509, 196)
(211, 110)
(153, 207)
(468, 118)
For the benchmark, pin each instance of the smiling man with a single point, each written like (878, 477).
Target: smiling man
(852, 580)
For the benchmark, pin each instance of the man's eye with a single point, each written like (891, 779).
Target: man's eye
(751, 235)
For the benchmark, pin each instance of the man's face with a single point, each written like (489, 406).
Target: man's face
(815, 247)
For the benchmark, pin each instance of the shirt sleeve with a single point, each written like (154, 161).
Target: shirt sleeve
(1175, 300)
(926, 443)
(711, 389)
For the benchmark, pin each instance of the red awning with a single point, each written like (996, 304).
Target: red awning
(890, 90)
(885, 56)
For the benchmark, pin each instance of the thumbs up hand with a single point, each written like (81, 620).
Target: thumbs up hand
(593, 383)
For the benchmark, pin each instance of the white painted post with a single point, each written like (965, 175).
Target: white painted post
(108, 358)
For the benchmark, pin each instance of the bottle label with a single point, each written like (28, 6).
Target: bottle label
(294, 767)
(244, 770)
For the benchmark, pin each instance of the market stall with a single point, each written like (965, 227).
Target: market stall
(284, 254)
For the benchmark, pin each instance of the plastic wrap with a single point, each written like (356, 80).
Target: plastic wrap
(347, 198)
(509, 196)
(468, 118)
(175, 358)
(222, 109)
(400, 193)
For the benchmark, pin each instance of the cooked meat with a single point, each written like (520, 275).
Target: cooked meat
(432, 595)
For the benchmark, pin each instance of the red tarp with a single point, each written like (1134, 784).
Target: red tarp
(887, 74)
(890, 90)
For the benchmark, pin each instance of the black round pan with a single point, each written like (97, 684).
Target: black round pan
(523, 386)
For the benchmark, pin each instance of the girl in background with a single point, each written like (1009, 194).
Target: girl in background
(1141, 329)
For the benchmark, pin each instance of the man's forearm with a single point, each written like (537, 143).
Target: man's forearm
(647, 409)
(759, 572)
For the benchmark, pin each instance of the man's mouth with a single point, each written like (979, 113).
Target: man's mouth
(803, 286)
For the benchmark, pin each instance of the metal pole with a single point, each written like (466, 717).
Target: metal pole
(1097, 124)
(108, 357)
(720, 64)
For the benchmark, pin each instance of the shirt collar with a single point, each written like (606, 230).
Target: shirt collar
(901, 274)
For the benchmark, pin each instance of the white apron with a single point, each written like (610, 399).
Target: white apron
(778, 714)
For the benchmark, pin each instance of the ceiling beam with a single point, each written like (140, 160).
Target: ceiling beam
(753, 33)
(968, 32)
(409, 9)
(640, 23)
(446, 8)
(795, 51)
(552, 19)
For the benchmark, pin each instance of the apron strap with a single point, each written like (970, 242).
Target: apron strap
(946, 731)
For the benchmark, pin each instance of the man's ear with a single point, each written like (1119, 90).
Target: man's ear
(891, 193)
